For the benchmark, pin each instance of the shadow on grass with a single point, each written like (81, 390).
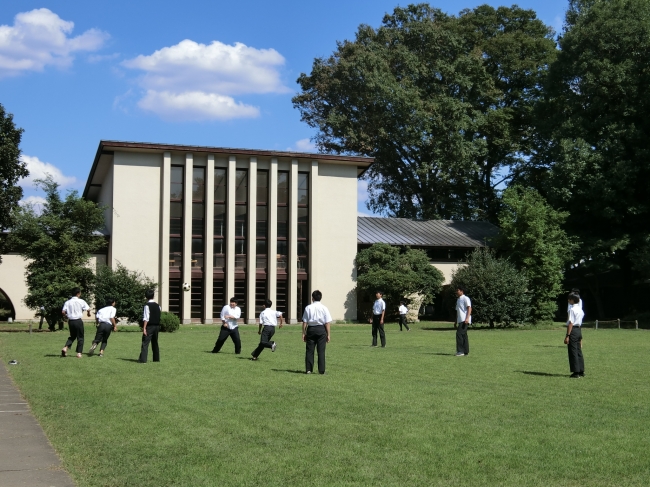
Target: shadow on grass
(129, 360)
(551, 346)
(540, 374)
(53, 355)
(436, 328)
(440, 353)
(291, 371)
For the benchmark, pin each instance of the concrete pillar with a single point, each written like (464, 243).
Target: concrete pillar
(208, 253)
(163, 272)
(313, 218)
(292, 291)
(251, 267)
(272, 252)
(230, 229)
(187, 239)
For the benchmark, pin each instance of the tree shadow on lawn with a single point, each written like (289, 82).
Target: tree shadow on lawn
(541, 374)
(291, 371)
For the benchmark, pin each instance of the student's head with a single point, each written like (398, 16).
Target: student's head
(574, 298)
(317, 295)
(268, 303)
(379, 294)
(149, 294)
(76, 291)
(109, 302)
(575, 290)
(403, 303)
(460, 291)
(233, 301)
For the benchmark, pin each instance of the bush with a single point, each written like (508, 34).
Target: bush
(124, 286)
(497, 289)
(169, 322)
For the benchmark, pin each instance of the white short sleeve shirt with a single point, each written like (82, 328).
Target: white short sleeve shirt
(75, 307)
(569, 306)
(403, 310)
(234, 312)
(575, 315)
(105, 314)
(269, 317)
(379, 307)
(316, 314)
(462, 303)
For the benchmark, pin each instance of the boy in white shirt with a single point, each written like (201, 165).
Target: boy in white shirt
(402, 316)
(378, 312)
(268, 322)
(106, 323)
(229, 328)
(574, 337)
(315, 332)
(73, 310)
(463, 319)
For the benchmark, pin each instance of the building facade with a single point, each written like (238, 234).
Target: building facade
(231, 222)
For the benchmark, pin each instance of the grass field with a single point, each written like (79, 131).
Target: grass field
(411, 414)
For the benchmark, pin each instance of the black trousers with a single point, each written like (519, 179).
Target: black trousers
(316, 338)
(377, 326)
(265, 341)
(576, 360)
(151, 336)
(103, 332)
(402, 321)
(462, 341)
(223, 336)
(76, 328)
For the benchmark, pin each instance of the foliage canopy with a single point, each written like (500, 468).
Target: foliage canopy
(126, 287)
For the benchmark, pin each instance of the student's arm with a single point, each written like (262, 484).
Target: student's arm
(114, 324)
(145, 319)
(469, 313)
(280, 317)
(381, 320)
(327, 328)
(259, 330)
(568, 332)
(304, 331)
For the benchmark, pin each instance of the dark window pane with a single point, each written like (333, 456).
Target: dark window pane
(282, 247)
(197, 227)
(219, 185)
(261, 228)
(197, 245)
(198, 183)
(176, 210)
(220, 220)
(175, 226)
(240, 247)
(241, 186)
(283, 188)
(262, 186)
(303, 189)
(197, 210)
(176, 191)
(176, 186)
(302, 248)
(175, 244)
(219, 246)
(240, 220)
(262, 219)
(283, 223)
(176, 174)
(260, 247)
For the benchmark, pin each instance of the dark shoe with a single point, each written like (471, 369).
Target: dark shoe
(92, 349)
(253, 358)
(64, 353)
(322, 373)
(574, 376)
(215, 351)
(581, 374)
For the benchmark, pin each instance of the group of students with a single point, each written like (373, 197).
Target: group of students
(316, 321)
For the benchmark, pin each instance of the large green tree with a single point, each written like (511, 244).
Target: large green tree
(443, 103)
(398, 273)
(126, 287)
(58, 243)
(11, 170)
(593, 156)
(533, 239)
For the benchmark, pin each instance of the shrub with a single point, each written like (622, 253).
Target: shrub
(497, 289)
(169, 322)
(126, 287)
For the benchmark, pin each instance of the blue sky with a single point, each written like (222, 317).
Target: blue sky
(210, 73)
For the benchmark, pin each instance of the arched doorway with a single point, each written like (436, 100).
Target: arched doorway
(7, 309)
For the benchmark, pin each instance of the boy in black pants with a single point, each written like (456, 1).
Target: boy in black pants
(268, 322)
(150, 328)
(229, 328)
(573, 338)
(105, 324)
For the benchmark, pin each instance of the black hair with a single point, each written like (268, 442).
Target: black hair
(149, 293)
(109, 301)
(575, 298)
(268, 303)
(402, 302)
(379, 292)
(460, 288)
(575, 290)
(234, 300)
(75, 291)
(317, 295)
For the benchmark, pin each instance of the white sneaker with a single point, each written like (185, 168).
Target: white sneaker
(273, 347)
(459, 354)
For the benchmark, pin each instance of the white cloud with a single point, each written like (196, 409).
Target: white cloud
(39, 170)
(303, 145)
(197, 81)
(40, 38)
(362, 191)
(35, 201)
(195, 105)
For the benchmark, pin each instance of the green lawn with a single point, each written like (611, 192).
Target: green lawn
(411, 414)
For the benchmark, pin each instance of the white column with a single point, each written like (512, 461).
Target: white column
(230, 229)
(272, 250)
(208, 253)
(251, 267)
(163, 273)
(292, 291)
(313, 219)
(187, 239)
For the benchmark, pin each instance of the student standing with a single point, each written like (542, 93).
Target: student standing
(150, 328)
(229, 328)
(315, 332)
(73, 309)
(463, 320)
(402, 316)
(268, 322)
(574, 337)
(378, 312)
(106, 323)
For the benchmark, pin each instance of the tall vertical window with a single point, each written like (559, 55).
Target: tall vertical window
(219, 251)
(283, 220)
(175, 238)
(302, 265)
(261, 242)
(198, 244)
(241, 218)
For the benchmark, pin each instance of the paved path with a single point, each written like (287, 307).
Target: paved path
(26, 457)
